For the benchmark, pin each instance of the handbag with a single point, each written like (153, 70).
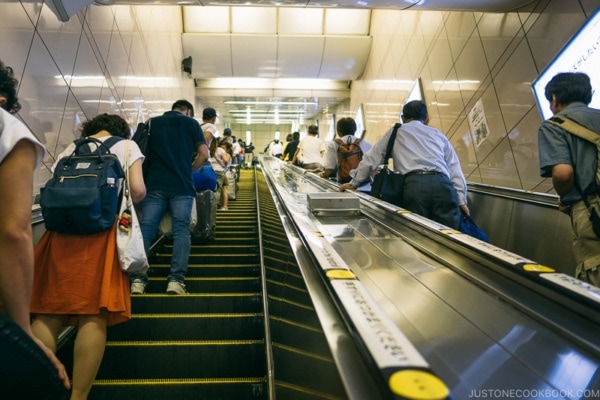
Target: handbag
(130, 243)
(468, 226)
(388, 185)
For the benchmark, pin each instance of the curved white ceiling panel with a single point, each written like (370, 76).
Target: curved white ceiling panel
(300, 56)
(344, 58)
(211, 54)
(253, 56)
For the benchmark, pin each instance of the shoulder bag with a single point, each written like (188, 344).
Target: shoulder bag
(584, 133)
(130, 243)
(388, 185)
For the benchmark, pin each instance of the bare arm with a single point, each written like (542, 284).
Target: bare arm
(136, 181)
(16, 242)
(326, 173)
(201, 157)
(563, 178)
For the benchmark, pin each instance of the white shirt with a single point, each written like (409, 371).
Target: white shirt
(275, 148)
(12, 130)
(311, 148)
(417, 147)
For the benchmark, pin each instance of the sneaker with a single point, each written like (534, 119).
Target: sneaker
(223, 209)
(175, 287)
(138, 287)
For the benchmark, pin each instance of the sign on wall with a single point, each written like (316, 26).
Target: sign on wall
(478, 123)
(581, 54)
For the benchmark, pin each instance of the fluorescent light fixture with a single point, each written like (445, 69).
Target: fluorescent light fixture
(272, 103)
(580, 54)
(81, 81)
(266, 83)
(455, 86)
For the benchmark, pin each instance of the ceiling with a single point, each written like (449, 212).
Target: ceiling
(280, 61)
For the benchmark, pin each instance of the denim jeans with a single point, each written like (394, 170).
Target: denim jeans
(154, 206)
(24, 368)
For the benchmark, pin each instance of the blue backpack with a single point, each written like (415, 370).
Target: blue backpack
(82, 196)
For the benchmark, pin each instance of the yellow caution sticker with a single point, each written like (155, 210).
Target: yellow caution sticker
(537, 268)
(418, 385)
(340, 274)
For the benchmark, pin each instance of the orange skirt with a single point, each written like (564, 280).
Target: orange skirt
(80, 275)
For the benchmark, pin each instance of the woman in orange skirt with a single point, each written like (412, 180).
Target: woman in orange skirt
(78, 279)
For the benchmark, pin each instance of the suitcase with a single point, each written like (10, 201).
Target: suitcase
(206, 209)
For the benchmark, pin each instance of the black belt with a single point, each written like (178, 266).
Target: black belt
(423, 172)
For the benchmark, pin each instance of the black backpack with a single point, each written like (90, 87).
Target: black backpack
(82, 196)
(142, 135)
(142, 138)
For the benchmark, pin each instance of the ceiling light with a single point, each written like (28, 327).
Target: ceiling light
(272, 103)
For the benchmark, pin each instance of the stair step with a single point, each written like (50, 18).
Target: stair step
(197, 303)
(183, 359)
(182, 327)
(201, 270)
(214, 388)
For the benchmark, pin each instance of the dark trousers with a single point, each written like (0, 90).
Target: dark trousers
(433, 197)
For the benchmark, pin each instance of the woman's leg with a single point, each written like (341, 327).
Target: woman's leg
(89, 350)
(224, 198)
(46, 328)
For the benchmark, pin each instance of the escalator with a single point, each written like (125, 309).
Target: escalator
(215, 343)
(207, 344)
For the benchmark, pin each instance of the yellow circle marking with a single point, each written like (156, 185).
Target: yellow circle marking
(537, 268)
(418, 385)
(340, 274)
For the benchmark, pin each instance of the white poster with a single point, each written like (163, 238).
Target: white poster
(478, 123)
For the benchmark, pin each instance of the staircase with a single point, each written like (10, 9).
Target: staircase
(208, 344)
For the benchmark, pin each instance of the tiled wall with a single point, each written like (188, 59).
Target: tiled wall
(463, 58)
(460, 57)
(112, 45)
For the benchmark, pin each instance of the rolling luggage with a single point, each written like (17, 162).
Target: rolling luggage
(206, 209)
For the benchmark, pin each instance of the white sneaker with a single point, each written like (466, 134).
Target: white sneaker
(175, 287)
(138, 287)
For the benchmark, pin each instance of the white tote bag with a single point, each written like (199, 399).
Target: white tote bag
(130, 243)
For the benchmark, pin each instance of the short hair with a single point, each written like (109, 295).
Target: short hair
(569, 87)
(289, 137)
(112, 123)
(313, 129)
(8, 88)
(346, 126)
(296, 135)
(416, 110)
(182, 105)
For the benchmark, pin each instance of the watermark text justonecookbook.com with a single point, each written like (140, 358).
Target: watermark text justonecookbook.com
(534, 394)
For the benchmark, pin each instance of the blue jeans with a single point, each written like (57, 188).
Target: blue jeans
(154, 206)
